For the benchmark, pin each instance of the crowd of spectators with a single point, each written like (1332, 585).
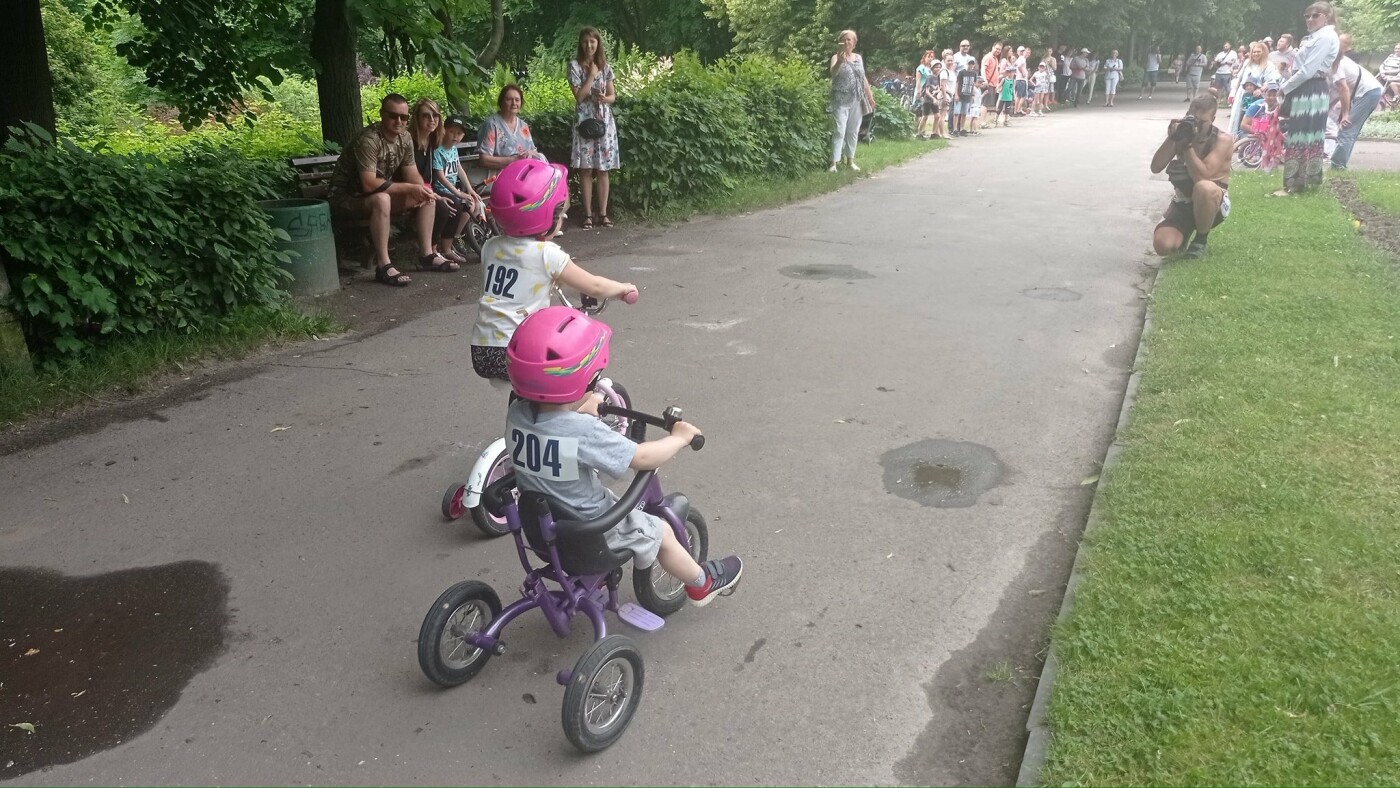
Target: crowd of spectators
(407, 161)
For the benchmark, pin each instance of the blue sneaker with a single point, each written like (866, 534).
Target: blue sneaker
(721, 578)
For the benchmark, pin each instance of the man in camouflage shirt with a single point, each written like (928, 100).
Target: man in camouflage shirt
(376, 177)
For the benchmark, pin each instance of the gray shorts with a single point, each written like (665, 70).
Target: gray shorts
(641, 534)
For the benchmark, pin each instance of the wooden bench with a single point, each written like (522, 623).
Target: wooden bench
(314, 175)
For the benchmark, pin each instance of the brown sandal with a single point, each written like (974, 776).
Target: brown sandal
(605, 221)
(436, 262)
(397, 279)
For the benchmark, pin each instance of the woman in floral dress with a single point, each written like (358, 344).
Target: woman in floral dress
(592, 80)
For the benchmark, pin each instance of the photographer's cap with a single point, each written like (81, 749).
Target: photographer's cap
(455, 120)
(1272, 84)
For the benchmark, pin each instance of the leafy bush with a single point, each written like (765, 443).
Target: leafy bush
(106, 245)
(785, 101)
(1132, 75)
(892, 120)
(683, 136)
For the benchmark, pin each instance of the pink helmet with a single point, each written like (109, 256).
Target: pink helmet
(526, 196)
(555, 355)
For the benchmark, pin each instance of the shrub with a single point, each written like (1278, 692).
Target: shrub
(106, 245)
(682, 136)
(892, 120)
(786, 102)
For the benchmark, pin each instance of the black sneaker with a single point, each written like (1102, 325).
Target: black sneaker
(721, 577)
(1194, 251)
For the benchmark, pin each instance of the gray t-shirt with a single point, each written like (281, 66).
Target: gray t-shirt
(560, 453)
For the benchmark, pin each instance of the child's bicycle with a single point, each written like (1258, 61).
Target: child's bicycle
(481, 228)
(463, 629)
(1263, 148)
(494, 463)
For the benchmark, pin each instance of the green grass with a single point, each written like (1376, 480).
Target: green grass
(1383, 124)
(1239, 621)
(754, 193)
(1381, 189)
(126, 367)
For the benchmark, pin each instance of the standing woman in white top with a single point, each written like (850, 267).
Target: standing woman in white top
(850, 99)
(1307, 97)
(1257, 70)
(1113, 72)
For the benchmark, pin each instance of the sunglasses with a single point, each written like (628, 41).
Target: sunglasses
(401, 117)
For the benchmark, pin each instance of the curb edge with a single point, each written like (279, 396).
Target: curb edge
(1038, 742)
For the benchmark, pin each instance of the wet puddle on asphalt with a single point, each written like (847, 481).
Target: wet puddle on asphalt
(91, 662)
(941, 473)
(819, 272)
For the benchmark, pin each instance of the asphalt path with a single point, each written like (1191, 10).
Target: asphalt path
(991, 294)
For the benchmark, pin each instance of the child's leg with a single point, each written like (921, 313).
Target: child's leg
(676, 560)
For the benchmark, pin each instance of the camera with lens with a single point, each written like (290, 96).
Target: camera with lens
(1186, 129)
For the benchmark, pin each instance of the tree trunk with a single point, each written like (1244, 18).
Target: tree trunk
(487, 58)
(28, 93)
(337, 83)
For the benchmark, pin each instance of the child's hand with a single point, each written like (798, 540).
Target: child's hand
(590, 403)
(623, 288)
(685, 431)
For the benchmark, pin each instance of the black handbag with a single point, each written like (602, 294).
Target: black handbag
(592, 129)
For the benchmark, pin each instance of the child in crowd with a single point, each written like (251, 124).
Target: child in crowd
(521, 265)
(978, 89)
(1007, 104)
(1040, 84)
(460, 201)
(967, 84)
(554, 359)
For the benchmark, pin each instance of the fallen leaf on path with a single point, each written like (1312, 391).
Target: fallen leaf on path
(1089, 480)
(24, 726)
(1180, 422)
(31, 652)
(125, 499)
(78, 694)
(279, 429)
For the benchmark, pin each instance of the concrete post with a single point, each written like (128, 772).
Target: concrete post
(12, 347)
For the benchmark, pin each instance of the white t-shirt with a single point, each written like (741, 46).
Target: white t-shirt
(961, 59)
(1225, 62)
(976, 110)
(517, 274)
(1040, 79)
(1021, 73)
(1359, 79)
(1154, 61)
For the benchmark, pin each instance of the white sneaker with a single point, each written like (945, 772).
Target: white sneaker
(832, 168)
(854, 167)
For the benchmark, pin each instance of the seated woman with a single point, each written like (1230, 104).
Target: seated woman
(505, 136)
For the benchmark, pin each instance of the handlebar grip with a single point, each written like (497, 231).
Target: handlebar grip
(629, 297)
(697, 443)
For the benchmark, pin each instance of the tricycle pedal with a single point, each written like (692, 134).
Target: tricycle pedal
(640, 617)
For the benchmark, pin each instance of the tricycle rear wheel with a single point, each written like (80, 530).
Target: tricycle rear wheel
(603, 693)
(443, 652)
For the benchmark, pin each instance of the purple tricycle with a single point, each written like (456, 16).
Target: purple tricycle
(463, 629)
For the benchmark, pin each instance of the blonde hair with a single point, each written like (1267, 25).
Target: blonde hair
(434, 136)
(843, 33)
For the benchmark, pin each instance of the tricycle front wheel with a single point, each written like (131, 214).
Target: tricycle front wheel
(603, 693)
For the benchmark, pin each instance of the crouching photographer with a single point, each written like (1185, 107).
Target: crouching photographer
(1196, 156)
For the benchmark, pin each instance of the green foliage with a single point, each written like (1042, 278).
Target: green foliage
(892, 120)
(106, 245)
(92, 86)
(273, 135)
(683, 135)
(785, 100)
(204, 56)
(414, 86)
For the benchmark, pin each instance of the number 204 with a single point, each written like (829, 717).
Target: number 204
(537, 453)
